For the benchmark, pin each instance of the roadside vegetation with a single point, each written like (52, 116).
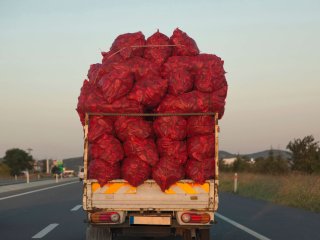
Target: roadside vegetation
(15, 162)
(292, 182)
(4, 170)
(294, 189)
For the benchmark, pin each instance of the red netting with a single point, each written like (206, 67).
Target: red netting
(127, 127)
(145, 149)
(200, 171)
(135, 171)
(167, 172)
(107, 148)
(103, 171)
(159, 79)
(186, 46)
(149, 90)
(200, 125)
(158, 54)
(125, 42)
(174, 149)
(201, 147)
(99, 126)
(173, 127)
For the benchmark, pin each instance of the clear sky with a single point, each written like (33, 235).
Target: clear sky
(271, 50)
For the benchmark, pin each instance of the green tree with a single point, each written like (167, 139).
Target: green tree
(305, 154)
(272, 164)
(18, 160)
(224, 167)
(241, 164)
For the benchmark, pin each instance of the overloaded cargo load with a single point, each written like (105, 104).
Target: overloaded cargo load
(159, 74)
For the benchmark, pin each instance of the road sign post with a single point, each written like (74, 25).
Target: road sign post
(235, 186)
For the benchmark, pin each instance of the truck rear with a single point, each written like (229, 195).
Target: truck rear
(118, 209)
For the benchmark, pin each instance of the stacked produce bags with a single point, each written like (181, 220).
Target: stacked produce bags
(157, 75)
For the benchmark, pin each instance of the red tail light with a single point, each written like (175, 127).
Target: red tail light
(105, 217)
(195, 218)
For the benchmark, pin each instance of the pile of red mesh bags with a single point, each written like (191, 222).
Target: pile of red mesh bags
(159, 74)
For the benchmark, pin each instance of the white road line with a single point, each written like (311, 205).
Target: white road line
(38, 190)
(46, 230)
(243, 228)
(76, 208)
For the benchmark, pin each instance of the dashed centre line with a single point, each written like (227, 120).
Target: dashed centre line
(76, 208)
(45, 231)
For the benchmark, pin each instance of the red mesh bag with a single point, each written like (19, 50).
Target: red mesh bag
(200, 125)
(149, 90)
(209, 74)
(141, 67)
(127, 127)
(178, 62)
(173, 127)
(201, 147)
(179, 81)
(111, 57)
(122, 105)
(211, 63)
(116, 84)
(186, 46)
(95, 72)
(200, 171)
(167, 172)
(89, 100)
(176, 150)
(135, 171)
(103, 171)
(125, 42)
(98, 126)
(158, 54)
(192, 102)
(145, 149)
(107, 148)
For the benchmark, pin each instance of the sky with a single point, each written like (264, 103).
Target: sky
(270, 49)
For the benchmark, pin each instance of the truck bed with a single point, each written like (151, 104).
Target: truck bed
(119, 195)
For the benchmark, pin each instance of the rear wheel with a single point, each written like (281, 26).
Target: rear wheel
(98, 233)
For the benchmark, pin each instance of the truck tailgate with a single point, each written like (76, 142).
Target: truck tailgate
(119, 195)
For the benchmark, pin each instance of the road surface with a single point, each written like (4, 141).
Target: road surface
(54, 212)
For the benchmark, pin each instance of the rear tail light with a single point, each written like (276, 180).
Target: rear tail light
(105, 217)
(189, 217)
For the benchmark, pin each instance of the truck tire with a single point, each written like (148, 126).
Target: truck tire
(98, 233)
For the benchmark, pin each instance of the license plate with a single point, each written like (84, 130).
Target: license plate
(152, 220)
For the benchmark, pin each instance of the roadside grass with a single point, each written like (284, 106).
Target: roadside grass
(295, 190)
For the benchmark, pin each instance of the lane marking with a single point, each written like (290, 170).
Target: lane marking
(243, 228)
(46, 230)
(76, 208)
(38, 190)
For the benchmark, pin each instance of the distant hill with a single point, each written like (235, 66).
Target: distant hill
(264, 154)
(74, 163)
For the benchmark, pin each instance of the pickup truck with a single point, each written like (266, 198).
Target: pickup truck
(118, 209)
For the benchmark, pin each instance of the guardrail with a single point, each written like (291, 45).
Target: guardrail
(24, 179)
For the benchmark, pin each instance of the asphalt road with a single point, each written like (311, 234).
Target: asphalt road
(56, 213)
